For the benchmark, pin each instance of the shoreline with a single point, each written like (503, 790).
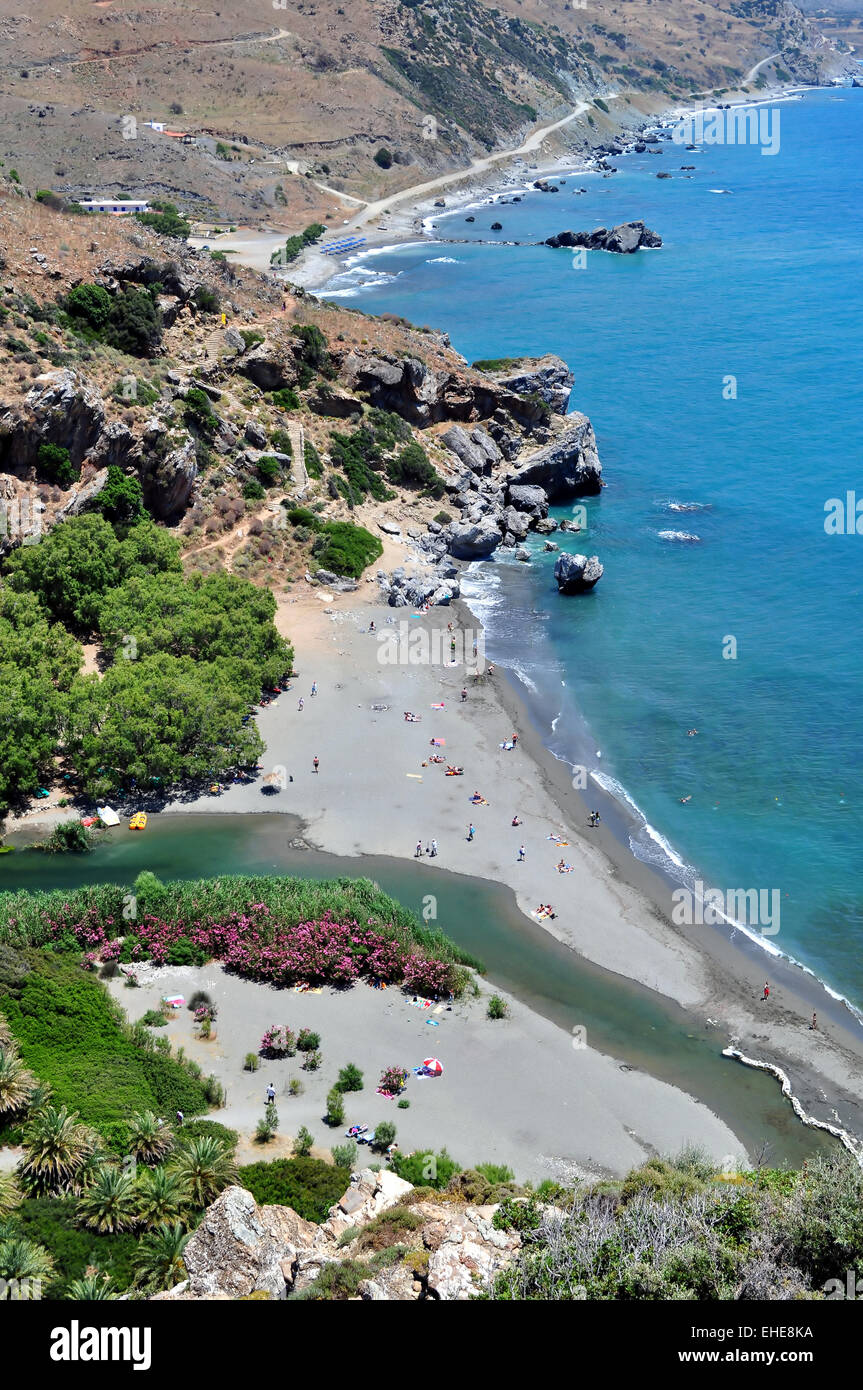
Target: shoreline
(612, 910)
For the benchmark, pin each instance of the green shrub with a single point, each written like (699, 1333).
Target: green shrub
(252, 1062)
(308, 1041)
(349, 549)
(270, 469)
(412, 468)
(252, 490)
(166, 220)
(206, 299)
(314, 467)
(303, 1143)
(350, 1078)
(344, 1155)
(425, 1168)
(199, 1129)
(122, 499)
(383, 158)
(69, 837)
(153, 1018)
(385, 1134)
(308, 1185)
(497, 1007)
(335, 1108)
(54, 461)
(285, 398)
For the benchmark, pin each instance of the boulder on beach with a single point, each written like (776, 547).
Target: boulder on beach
(576, 574)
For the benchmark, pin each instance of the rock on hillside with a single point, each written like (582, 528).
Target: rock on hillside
(241, 1250)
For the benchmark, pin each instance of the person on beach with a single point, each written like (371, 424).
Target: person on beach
(433, 851)
(514, 740)
(471, 831)
(300, 705)
(418, 852)
(521, 854)
(515, 819)
(561, 866)
(766, 994)
(314, 687)
(463, 693)
(316, 762)
(814, 1024)
(271, 1094)
(372, 627)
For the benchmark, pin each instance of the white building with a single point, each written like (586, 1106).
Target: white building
(119, 206)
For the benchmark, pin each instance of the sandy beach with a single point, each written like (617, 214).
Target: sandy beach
(377, 793)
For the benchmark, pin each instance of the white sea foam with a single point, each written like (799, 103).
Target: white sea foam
(443, 260)
(686, 537)
(673, 506)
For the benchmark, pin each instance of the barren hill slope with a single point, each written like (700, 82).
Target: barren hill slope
(277, 92)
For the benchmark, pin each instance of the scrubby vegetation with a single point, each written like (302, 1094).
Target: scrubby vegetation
(680, 1229)
(340, 546)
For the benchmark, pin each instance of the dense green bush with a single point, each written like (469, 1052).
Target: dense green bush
(285, 398)
(72, 1035)
(309, 1185)
(166, 220)
(349, 549)
(52, 1222)
(425, 1168)
(412, 468)
(55, 463)
(122, 499)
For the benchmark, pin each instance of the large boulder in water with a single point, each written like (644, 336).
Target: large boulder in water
(624, 239)
(576, 574)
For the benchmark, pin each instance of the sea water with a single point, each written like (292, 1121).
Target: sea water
(722, 374)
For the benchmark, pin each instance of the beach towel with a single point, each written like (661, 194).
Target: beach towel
(417, 776)
(433, 1022)
(420, 1003)
(439, 742)
(440, 706)
(507, 746)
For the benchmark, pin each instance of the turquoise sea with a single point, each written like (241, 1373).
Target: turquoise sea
(763, 283)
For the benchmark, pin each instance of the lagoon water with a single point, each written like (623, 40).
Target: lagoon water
(762, 283)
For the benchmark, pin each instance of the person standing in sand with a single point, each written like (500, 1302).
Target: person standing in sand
(300, 705)
(814, 1024)
(433, 851)
(766, 994)
(521, 854)
(471, 831)
(418, 852)
(316, 762)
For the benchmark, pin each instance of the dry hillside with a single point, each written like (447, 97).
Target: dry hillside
(300, 97)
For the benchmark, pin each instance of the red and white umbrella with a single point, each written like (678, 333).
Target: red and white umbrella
(433, 1065)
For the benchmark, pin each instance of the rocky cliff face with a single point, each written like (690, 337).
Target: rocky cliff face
(447, 1249)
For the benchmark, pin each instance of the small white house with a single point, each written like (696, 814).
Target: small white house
(121, 207)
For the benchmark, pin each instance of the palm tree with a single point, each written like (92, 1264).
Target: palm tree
(10, 1194)
(58, 1146)
(16, 1082)
(159, 1260)
(92, 1287)
(149, 1140)
(24, 1259)
(161, 1196)
(205, 1167)
(40, 1097)
(108, 1204)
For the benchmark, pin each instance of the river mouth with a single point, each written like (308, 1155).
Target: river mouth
(625, 1020)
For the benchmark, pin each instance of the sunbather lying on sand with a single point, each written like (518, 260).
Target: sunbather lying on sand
(455, 772)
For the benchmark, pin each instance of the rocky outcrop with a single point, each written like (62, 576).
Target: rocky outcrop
(84, 497)
(625, 238)
(427, 396)
(476, 450)
(270, 366)
(473, 540)
(168, 470)
(528, 498)
(576, 574)
(62, 407)
(547, 377)
(242, 1251)
(567, 467)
